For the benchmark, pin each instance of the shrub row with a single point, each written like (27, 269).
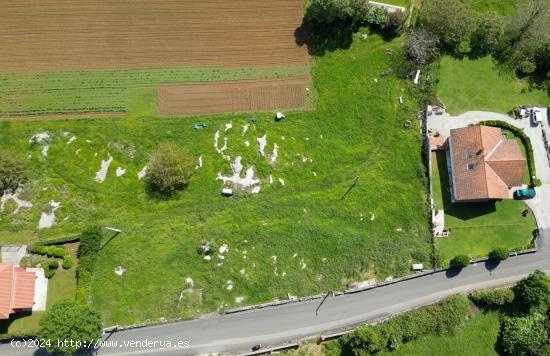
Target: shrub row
(58, 240)
(526, 143)
(50, 251)
(445, 318)
(90, 243)
(492, 298)
(50, 266)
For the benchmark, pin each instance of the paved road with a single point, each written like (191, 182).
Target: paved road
(238, 332)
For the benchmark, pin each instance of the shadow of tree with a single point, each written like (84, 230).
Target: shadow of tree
(321, 39)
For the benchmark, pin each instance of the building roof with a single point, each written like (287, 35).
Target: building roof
(485, 164)
(16, 289)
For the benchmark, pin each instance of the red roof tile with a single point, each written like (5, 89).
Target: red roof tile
(16, 289)
(485, 164)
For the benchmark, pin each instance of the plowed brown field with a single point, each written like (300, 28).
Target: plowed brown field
(54, 35)
(232, 96)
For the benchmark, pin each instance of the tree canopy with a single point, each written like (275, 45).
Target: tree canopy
(533, 292)
(68, 321)
(169, 169)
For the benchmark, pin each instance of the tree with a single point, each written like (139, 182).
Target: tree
(12, 171)
(397, 20)
(451, 21)
(365, 340)
(169, 170)
(533, 292)
(68, 326)
(460, 262)
(378, 17)
(422, 46)
(488, 33)
(338, 12)
(499, 254)
(523, 335)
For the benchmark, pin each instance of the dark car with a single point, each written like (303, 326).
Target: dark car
(256, 347)
(526, 193)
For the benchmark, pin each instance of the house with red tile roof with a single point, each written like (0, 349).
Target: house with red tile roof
(484, 164)
(16, 290)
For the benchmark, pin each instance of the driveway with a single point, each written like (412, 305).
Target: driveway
(40, 289)
(541, 204)
(12, 254)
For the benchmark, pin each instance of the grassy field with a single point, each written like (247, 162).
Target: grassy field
(61, 286)
(480, 85)
(478, 337)
(28, 93)
(357, 131)
(477, 228)
(502, 7)
(403, 3)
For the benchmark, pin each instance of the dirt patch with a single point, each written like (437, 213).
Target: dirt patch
(52, 35)
(233, 96)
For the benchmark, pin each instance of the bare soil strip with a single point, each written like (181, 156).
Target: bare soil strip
(55, 35)
(233, 96)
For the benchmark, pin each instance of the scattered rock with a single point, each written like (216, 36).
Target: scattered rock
(47, 220)
(8, 195)
(262, 142)
(141, 174)
(119, 271)
(189, 281)
(102, 173)
(223, 249)
(245, 128)
(239, 300)
(120, 172)
(228, 126)
(282, 181)
(199, 164)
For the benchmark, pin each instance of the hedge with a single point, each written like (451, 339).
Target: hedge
(58, 240)
(442, 319)
(526, 143)
(90, 243)
(491, 298)
(50, 251)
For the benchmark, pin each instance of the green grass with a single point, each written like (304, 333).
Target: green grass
(481, 85)
(356, 131)
(477, 228)
(61, 286)
(27, 93)
(403, 3)
(502, 7)
(478, 337)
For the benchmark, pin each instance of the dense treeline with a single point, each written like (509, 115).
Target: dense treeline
(520, 41)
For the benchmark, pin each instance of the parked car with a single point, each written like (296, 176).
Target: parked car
(256, 347)
(536, 115)
(526, 193)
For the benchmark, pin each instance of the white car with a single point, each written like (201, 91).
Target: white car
(536, 115)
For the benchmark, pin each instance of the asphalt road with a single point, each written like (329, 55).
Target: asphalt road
(272, 326)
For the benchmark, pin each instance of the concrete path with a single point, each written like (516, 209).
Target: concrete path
(12, 254)
(40, 289)
(540, 205)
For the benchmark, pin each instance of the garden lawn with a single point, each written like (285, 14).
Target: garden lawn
(478, 337)
(477, 228)
(301, 238)
(480, 84)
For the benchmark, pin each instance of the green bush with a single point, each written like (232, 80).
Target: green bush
(460, 262)
(445, 318)
(12, 171)
(169, 170)
(365, 340)
(67, 262)
(533, 292)
(53, 264)
(523, 335)
(526, 143)
(378, 17)
(491, 298)
(90, 243)
(48, 271)
(50, 251)
(499, 254)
